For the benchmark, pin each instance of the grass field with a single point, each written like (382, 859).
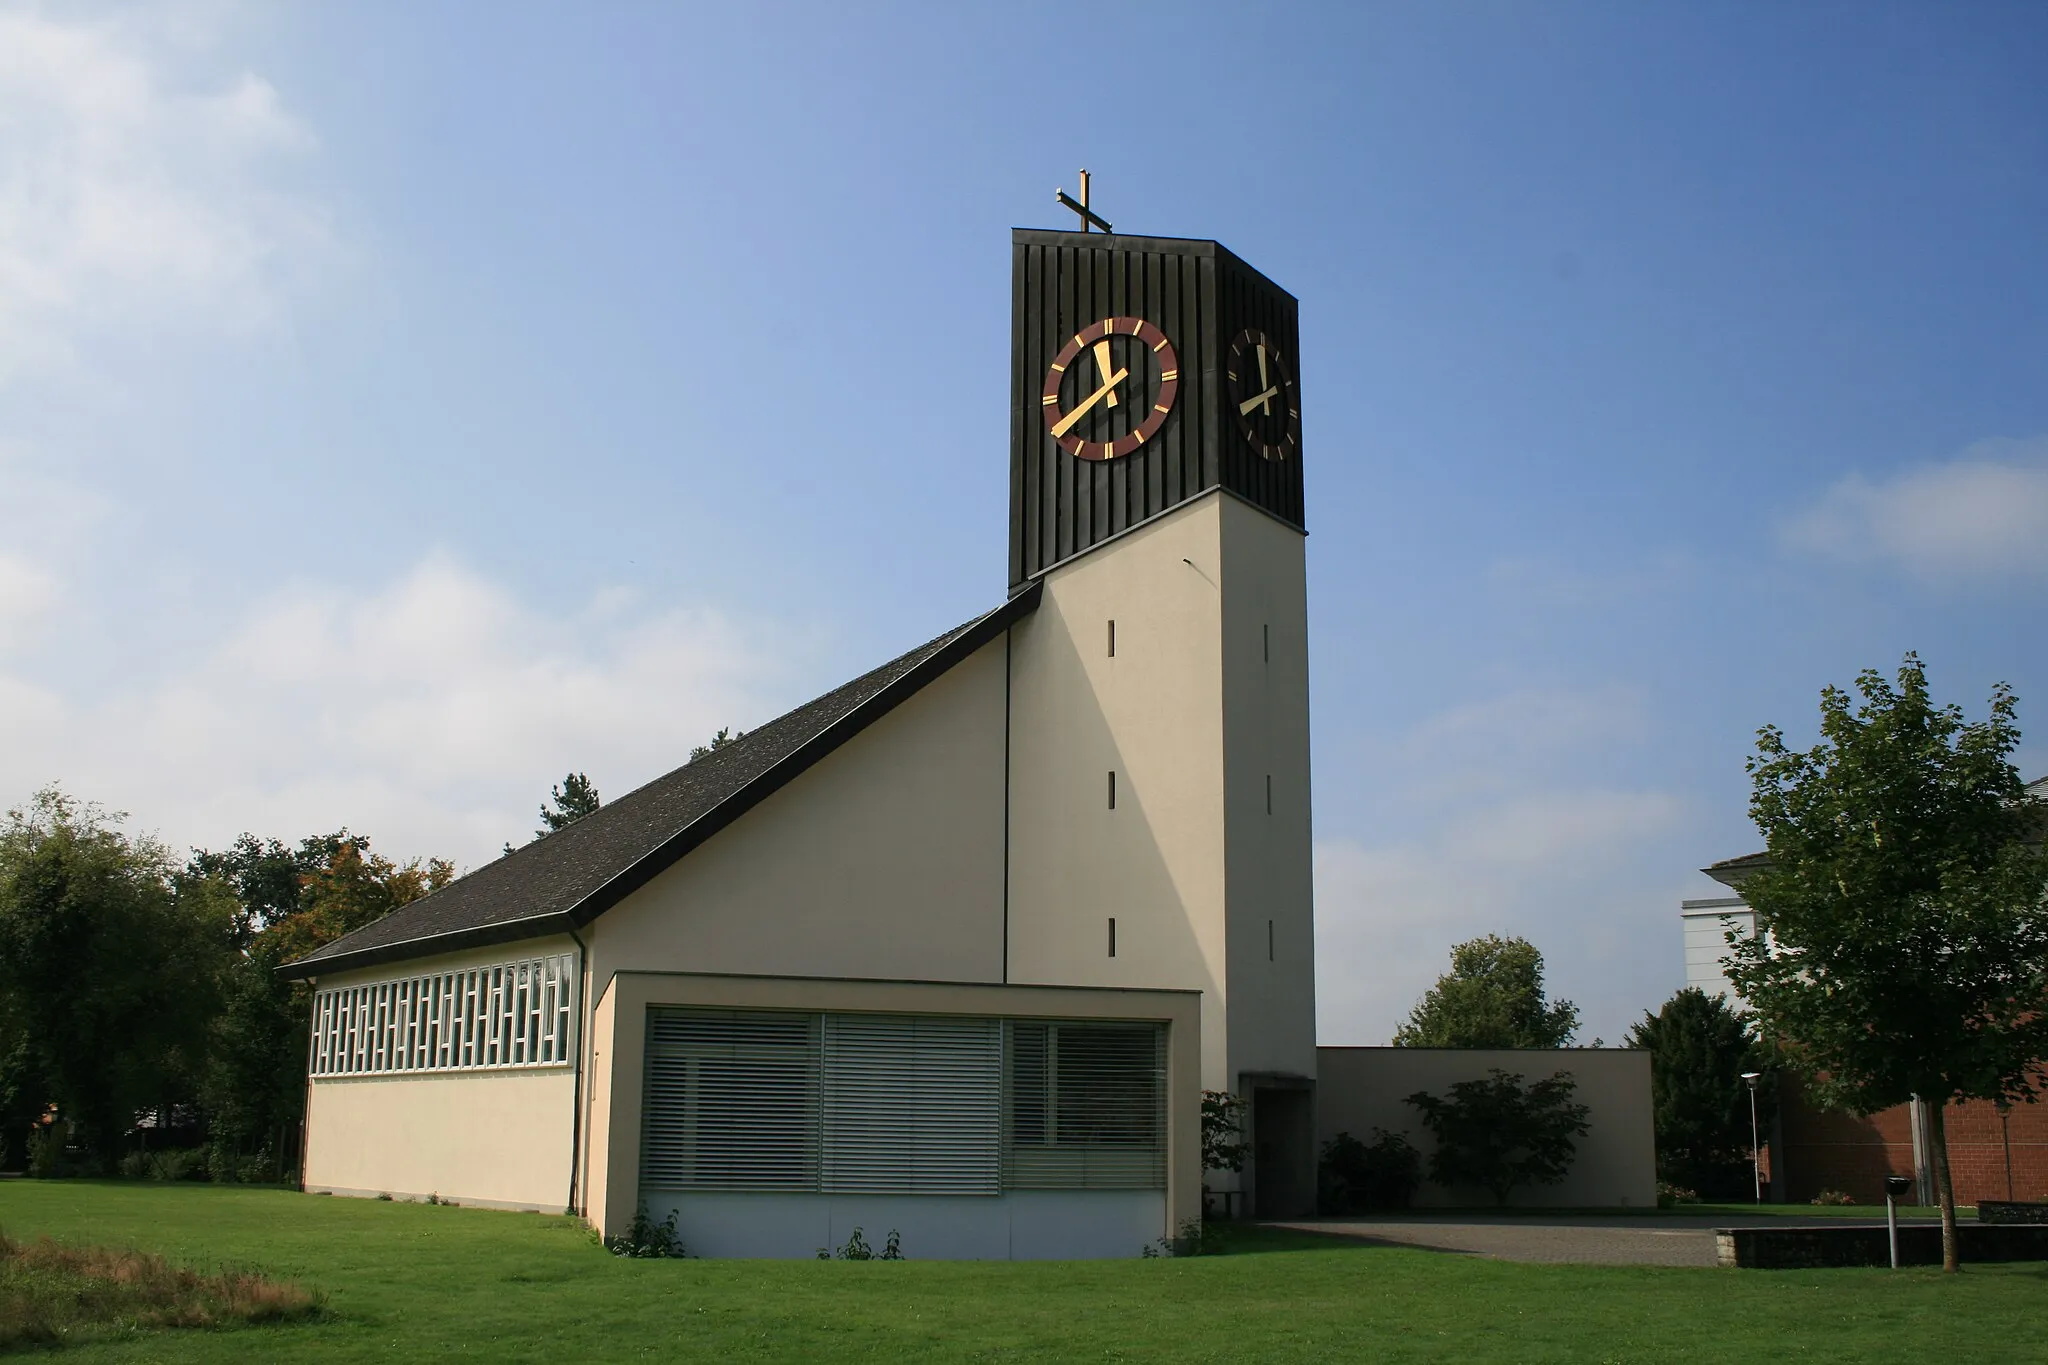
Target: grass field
(413, 1282)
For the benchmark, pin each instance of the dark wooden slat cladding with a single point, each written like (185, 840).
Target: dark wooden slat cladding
(1201, 296)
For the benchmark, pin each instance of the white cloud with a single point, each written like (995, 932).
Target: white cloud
(1981, 515)
(131, 196)
(431, 714)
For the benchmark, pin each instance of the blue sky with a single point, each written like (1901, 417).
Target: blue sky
(401, 405)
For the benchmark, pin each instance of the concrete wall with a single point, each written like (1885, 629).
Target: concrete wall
(883, 860)
(619, 1057)
(499, 1138)
(1361, 1088)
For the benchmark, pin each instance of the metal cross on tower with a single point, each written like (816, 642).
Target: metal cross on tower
(1080, 206)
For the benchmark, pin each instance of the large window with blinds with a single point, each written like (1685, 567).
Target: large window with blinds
(900, 1104)
(510, 1014)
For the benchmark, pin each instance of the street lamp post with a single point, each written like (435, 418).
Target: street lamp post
(1756, 1156)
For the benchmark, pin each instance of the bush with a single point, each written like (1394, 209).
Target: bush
(857, 1249)
(646, 1239)
(1832, 1199)
(1195, 1238)
(1669, 1194)
(1499, 1135)
(1355, 1176)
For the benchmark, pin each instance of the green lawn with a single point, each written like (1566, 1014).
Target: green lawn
(412, 1282)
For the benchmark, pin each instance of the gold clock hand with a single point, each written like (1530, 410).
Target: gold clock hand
(1262, 365)
(1103, 365)
(1066, 423)
(1264, 401)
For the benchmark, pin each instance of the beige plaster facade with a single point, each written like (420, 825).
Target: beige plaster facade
(619, 1057)
(500, 1138)
(1204, 698)
(883, 860)
(1363, 1088)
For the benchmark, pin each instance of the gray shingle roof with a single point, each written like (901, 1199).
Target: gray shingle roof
(573, 875)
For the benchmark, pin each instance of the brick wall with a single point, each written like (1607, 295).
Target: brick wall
(1824, 1150)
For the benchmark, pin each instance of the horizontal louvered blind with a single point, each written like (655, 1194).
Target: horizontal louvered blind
(731, 1101)
(912, 1104)
(1085, 1106)
(512, 1014)
(900, 1104)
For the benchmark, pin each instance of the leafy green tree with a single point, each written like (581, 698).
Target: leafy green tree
(718, 741)
(108, 970)
(1491, 997)
(288, 901)
(1902, 917)
(1500, 1135)
(1699, 1049)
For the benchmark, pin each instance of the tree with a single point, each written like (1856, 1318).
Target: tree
(1491, 997)
(1699, 1048)
(1498, 1135)
(290, 901)
(108, 971)
(1902, 929)
(573, 798)
(718, 741)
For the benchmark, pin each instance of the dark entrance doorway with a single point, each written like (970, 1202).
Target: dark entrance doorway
(1283, 1152)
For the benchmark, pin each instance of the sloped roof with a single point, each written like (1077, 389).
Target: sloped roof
(575, 874)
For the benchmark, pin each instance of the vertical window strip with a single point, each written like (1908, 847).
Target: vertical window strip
(514, 1014)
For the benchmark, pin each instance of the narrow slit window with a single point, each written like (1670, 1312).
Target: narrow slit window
(1266, 643)
(1112, 935)
(1112, 639)
(1269, 940)
(1269, 793)
(1112, 789)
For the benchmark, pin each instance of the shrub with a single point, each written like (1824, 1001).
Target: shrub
(1832, 1199)
(1355, 1176)
(857, 1249)
(1223, 1145)
(1498, 1135)
(1669, 1194)
(1195, 1238)
(646, 1239)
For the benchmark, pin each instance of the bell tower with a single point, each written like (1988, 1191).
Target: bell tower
(1159, 826)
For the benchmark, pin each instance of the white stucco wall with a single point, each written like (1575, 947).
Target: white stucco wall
(1362, 1088)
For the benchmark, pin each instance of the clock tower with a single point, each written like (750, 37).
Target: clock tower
(1159, 830)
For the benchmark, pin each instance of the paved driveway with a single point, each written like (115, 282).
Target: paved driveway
(1588, 1239)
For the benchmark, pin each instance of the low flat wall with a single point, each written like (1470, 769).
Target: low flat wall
(1802, 1248)
(1023, 1225)
(499, 1139)
(1362, 1088)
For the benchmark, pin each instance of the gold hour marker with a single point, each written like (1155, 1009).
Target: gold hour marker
(1140, 434)
(1159, 407)
(1160, 347)
(1078, 343)
(1059, 369)
(1050, 399)
(1232, 374)
(1165, 375)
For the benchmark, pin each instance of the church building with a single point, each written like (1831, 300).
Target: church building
(954, 949)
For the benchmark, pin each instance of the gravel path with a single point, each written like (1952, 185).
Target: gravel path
(1584, 1240)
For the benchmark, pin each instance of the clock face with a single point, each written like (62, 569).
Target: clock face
(1261, 388)
(1110, 388)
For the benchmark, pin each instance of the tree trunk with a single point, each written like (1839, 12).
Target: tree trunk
(1937, 1139)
